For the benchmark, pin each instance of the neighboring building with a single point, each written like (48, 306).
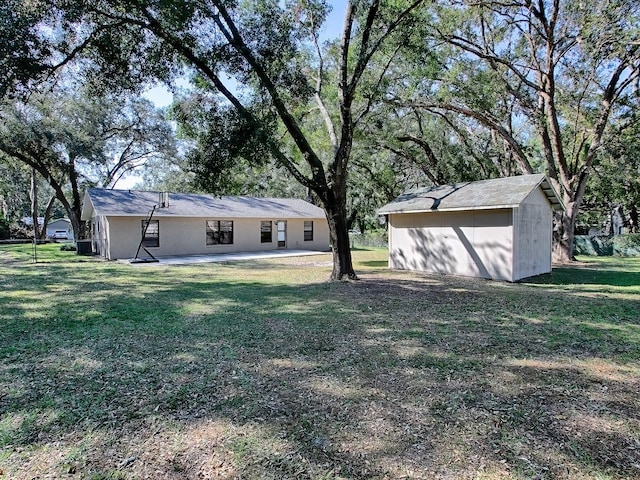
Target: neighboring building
(60, 229)
(499, 229)
(190, 224)
(28, 221)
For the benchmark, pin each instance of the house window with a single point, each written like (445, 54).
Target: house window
(265, 232)
(308, 231)
(150, 233)
(219, 232)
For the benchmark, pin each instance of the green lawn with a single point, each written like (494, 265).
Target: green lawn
(263, 370)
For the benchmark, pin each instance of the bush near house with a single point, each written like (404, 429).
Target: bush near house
(372, 239)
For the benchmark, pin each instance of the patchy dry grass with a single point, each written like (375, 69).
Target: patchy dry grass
(262, 370)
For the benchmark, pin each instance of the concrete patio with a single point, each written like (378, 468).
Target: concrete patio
(226, 257)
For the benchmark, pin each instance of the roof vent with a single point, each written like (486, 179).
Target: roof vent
(163, 199)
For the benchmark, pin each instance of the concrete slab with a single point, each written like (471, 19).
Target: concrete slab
(226, 257)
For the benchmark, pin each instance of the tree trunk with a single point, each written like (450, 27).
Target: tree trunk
(34, 204)
(76, 202)
(362, 226)
(47, 217)
(563, 234)
(342, 262)
(336, 210)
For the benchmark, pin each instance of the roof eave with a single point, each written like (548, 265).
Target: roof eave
(207, 216)
(551, 194)
(453, 209)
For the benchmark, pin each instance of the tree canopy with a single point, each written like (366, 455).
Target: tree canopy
(545, 78)
(412, 91)
(268, 48)
(74, 140)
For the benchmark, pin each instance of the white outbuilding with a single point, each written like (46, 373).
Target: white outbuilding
(498, 229)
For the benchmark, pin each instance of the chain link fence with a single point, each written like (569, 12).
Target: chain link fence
(375, 239)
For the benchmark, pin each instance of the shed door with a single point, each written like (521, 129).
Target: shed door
(282, 233)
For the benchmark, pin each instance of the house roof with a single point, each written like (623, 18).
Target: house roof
(60, 220)
(139, 203)
(29, 220)
(507, 192)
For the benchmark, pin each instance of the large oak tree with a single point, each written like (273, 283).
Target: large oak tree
(73, 140)
(267, 48)
(562, 69)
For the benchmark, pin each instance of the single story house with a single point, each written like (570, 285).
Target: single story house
(60, 229)
(497, 229)
(191, 224)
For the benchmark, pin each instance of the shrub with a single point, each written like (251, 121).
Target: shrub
(627, 245)
(21, 231)
(594, 246)
(5, 230)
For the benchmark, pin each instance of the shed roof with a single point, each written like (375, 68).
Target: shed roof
(139, 203)
(507, 192)
(60, 220)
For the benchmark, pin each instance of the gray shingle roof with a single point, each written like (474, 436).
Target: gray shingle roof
(139, 203)
(507, 192)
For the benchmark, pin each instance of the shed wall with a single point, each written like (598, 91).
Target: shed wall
(120, 236)
(533, 230)
(474, 243)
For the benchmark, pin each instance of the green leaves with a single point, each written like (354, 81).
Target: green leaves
(24, 53)
(223, 139)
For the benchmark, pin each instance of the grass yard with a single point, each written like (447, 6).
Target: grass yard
(262, 370)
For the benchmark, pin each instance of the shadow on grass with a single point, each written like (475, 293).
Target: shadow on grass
(604, 271)
(186, 370)
(588, 276)
(375, 263)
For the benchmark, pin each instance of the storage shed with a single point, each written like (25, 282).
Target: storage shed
(178, 224)
(497, 229)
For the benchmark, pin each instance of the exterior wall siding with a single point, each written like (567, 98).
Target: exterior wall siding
(474, 243)
(533, 227)
(187, 236)
(100, 235)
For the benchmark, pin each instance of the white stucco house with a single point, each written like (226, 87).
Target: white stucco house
(497, 229)
(170, 224)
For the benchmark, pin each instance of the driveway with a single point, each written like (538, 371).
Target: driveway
(227, 257)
